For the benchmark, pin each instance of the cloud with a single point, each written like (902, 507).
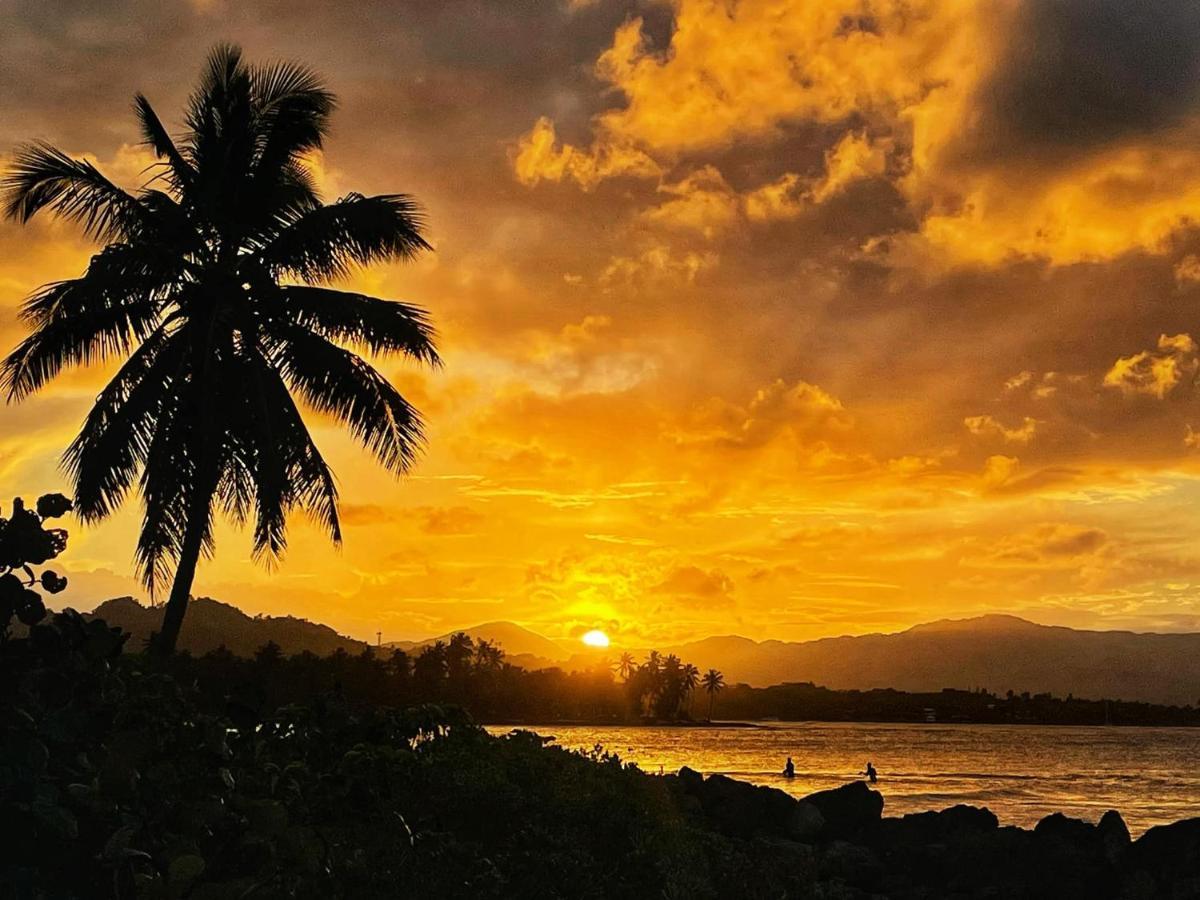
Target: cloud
(696, 586)
(801, 410)
(1053, 544)
(539, 157)
(1155, 372)
(989, 426)
(998, 144)
(1187, 270)
(657, 264)
(702, 202)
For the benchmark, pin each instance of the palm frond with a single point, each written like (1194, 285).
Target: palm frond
(106, 312)
(329, 241)
(111, 448)
(333, 380)
(157, 139)
(42, 177)
(379, 326)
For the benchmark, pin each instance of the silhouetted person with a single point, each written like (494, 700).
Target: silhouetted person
(871, 773)
(789, 769)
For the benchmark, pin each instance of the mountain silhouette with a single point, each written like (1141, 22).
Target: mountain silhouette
(997, 652)
(211, 623)
(517, 641)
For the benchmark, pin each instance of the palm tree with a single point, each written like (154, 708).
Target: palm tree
(689, 678)
(209, 287)
(714, 683)
(626, 665)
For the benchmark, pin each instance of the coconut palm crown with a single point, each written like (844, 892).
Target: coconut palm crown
(210, 291)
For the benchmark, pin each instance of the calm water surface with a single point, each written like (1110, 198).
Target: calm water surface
(1021, 773)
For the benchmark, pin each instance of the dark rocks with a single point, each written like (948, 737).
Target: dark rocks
(744, 810)
(851, 864)
(940, 827)
(837, 844)
(848, 809)
(1167, 857)
(1114, 836)
(690, 779)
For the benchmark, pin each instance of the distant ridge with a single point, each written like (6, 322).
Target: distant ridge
(516, 640)
(211, 623)
(997, 652)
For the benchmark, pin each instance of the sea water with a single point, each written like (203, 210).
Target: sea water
(1020, 772)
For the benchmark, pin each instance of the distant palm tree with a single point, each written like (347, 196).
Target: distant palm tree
(714, 683)
(626, 665)
(206, 286)
(689, 678)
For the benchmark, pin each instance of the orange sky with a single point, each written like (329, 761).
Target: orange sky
(780, 318)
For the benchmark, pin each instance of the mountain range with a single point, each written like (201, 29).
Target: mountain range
(996, 652)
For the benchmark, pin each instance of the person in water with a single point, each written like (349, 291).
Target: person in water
(871, 773)
(789, 769)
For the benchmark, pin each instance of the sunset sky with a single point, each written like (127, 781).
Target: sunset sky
(785, 319)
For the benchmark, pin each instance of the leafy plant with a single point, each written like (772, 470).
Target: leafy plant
(25, 542)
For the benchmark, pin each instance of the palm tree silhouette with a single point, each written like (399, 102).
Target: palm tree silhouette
(689, 678)
(626, 665)
(714, 683)
(208, 288)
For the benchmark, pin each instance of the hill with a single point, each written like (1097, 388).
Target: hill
(518, 642)
(211, 623)
(996, 652)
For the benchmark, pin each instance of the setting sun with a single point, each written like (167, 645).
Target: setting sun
(595, 638)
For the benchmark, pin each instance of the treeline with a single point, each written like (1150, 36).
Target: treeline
(806, 701)
(462, 672)
(476, 676)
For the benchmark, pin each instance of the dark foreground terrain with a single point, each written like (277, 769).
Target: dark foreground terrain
(121, 779)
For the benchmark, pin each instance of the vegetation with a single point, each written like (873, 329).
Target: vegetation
(475, 676)
(209, 287)
(119, 780)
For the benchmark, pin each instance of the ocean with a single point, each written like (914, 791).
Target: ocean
(1020, 772)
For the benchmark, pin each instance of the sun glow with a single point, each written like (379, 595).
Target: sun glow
(595, 638)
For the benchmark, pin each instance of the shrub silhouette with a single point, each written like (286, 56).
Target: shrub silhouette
(25, 541)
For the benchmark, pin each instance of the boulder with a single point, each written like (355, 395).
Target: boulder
(691, 780)
(848, 809)
(1114, 836)
(855, 865)
(742, 809)
(806, 824)
(1170, 854)
(937, 827)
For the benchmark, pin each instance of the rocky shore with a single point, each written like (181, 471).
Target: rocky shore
(852, 850)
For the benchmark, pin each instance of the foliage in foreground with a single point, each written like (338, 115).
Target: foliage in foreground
(115, 782)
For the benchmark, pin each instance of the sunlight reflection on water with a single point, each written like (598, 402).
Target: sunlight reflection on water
(1021, 773)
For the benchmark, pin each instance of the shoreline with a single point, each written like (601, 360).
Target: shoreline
(774, 725)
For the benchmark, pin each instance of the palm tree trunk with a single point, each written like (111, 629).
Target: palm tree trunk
(711, 696)
(181, 587)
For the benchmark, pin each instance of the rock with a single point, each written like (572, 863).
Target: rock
(850, 863)
(807, 823)
(1064, 828)
(1114, 835)
(847, 809)
(691, 780)
(947, 826)
(743, 810)
(1170, 854)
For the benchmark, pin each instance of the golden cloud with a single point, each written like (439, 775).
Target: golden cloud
(990, 426)
(1155, 372)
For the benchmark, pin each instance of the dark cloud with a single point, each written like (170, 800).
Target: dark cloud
(1081, 73)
